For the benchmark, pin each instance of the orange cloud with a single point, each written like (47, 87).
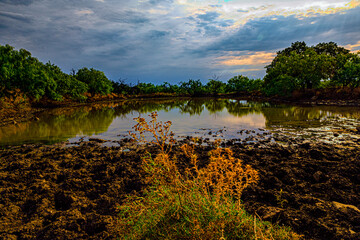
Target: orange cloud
(353, 4)
(353, 47)
(314, 10)
(84, 12)
(248, 70)
(256, 58)
(259, 9)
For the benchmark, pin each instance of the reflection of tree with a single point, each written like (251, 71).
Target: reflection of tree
(214, 105)
(241, 108)
(55, 128)
(147, 106)
(193, 107)
(63, 123)
(303, 116)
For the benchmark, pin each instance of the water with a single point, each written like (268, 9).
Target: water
(207, 118)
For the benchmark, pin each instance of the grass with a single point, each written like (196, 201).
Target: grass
(197, 204)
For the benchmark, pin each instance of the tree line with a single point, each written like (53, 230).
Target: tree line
(301, 67)
(297, 67)
(19, 70)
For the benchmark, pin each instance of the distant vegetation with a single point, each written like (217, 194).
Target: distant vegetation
(297, 67)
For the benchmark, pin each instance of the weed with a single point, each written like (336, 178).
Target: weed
(201, 203)
(163, 137)
(279, 198)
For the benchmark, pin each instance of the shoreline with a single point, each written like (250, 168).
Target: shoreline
(26, 111)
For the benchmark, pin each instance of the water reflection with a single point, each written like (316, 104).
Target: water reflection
(202, 117)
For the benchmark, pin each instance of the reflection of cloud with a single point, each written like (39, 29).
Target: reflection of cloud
(256, 58)
(253, 120)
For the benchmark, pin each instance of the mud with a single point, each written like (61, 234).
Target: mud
(72, 191)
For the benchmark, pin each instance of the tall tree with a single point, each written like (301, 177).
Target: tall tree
(95, 79)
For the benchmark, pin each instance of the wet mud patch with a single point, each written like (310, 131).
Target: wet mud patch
(62, 192)
(312, 187)
(55, 192)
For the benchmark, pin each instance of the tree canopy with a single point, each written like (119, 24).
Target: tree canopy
(303, 67)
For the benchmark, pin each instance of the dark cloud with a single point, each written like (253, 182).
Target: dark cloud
(209, 16)
(155, 34)
(130, 17)
(3, 26)
(209, 23)
(216, 6)
(156, 2)
(13, 16)
(17, 2)
(276, 32)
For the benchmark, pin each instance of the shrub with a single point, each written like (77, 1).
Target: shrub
(198, 204)
(95, 79)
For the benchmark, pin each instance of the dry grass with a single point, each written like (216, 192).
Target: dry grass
(200, 204)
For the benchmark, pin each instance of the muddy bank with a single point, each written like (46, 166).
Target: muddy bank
(13, 112)
(72, 192)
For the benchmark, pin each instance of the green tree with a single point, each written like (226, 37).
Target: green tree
(66, 84)
(331, 49)
(95, 79)
(215, 86)
(19, 70)
(349, 74)
(192, 87)
(298, 47)
(242, 83)
(305, 67)
(238, 83)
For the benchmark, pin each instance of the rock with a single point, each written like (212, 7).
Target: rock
(318, 176)
(99, 140)
(305, 144)
(345, 207)
(267, 212)
(358, 129)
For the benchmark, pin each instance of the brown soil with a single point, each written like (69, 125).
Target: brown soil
(63, 192)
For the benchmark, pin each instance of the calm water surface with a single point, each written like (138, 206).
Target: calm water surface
(226, 119)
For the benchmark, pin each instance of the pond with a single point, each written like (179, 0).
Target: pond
(206, 118)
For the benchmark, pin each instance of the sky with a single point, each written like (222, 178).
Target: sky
(173, 40)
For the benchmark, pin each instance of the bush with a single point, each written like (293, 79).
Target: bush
(283, 85)
(19, 70)
(192, 87)
(95, 79)
(197, 204)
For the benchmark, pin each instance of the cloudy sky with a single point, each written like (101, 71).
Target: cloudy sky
(173, 40)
